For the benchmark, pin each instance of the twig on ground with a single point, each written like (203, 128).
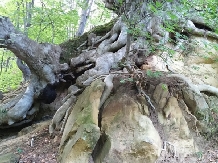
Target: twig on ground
(148, 99)
(165, 143)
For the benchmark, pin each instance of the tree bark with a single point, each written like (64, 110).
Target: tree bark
(24, 69)
(84, 16)
(42, 60)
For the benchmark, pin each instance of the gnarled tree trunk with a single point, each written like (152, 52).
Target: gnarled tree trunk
(140, 31)
(43, 62)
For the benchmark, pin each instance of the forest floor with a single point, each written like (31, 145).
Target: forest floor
(32, 144)
(15, 147)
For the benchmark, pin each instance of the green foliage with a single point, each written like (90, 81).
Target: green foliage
(102, 16)
(164, 87)
(209, 118)
(155, 7)
(19, 150)
(49, 22)
(153, 74)
(10, 80)
(171, 20)
(207, 9)
(199, 155)
(10, 76)
(52, 21)
(126, 80)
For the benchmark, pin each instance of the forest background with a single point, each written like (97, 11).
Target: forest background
(47, 21)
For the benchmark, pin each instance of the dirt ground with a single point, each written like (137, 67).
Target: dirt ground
(33, 145)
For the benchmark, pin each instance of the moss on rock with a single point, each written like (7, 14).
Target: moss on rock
(69, 48)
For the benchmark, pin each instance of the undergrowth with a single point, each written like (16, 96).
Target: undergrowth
(10, 75)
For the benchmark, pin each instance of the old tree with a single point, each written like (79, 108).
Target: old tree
(144, 29)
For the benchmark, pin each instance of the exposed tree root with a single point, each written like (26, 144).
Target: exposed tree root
(192, 116)
(190, 27)
(43, 62)
(17, 107)
(107, 90)
(19, 111)
(148, 99)
(43, 59)
(60, 113)
(208, 88)
(24, 69)
(117, 40)
(110, 51)
(196, 88)
(63, 111)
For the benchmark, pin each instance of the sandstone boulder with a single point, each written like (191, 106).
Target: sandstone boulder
(176, 129)
(160, 95)
(81, 132)
(129, 136)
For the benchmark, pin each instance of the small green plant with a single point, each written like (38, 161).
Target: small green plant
(195, 68)
(19, 150)
(126, 80)
(3, 110)
(214, 110)
(164, 87)
(199, 155)
(154, 74)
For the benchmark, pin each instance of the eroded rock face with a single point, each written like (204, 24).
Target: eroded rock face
(176, 128)
(160, 95)
(81, 132)
(129, 135)
(128, 131)
(196, 103)
(199, 65)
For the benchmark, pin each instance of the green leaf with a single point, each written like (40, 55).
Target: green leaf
(164, 87)
(172, 16)
(120, 1)
(122, 81)
(158, 4)
(153, 74)
(153, 8)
